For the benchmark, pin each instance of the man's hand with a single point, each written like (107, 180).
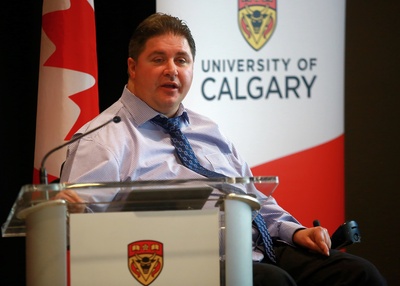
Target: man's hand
(314, 238)
(75, 203)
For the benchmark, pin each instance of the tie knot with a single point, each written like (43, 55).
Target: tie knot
(169, 124)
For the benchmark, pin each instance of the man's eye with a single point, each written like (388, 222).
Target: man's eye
(181, 61)
(158, 60)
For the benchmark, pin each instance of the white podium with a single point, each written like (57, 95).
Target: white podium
(172, 232)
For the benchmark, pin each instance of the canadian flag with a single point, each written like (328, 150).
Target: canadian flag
(68, 89)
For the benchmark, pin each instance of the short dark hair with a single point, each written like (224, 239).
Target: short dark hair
(155, 25)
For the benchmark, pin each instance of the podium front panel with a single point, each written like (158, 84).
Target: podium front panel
(138, 248)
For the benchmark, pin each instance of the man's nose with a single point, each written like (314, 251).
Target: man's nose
(170, 69)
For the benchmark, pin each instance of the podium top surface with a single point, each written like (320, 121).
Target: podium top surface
(158, 195)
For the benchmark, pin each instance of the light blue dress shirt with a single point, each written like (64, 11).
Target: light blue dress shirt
(137, 149)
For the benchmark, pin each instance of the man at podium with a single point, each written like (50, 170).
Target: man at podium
(159, 138)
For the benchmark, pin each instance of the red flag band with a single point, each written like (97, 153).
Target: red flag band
(68, 89)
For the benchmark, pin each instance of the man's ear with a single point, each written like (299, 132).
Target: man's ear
(131, 67)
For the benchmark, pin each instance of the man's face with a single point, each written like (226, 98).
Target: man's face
(163, 73)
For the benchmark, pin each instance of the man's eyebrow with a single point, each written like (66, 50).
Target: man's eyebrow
(158, 52)
(183, 53)
(155, 53)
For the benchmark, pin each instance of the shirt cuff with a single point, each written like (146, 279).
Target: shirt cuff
(286, 229)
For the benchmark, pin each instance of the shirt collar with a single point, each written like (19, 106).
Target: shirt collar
(141, 112)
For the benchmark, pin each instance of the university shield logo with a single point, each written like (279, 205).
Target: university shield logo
(145, 260)
(257, 21)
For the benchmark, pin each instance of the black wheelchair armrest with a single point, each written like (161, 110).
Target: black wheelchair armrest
(346, 234)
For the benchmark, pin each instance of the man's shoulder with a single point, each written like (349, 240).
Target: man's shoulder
(195, 116)
(106, 115)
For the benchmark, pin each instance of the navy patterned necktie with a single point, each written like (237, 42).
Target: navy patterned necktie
(189, 160)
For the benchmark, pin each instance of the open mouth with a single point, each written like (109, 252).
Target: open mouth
(170, 85)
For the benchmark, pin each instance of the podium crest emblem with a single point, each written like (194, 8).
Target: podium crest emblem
(145, 260)
(257, 21)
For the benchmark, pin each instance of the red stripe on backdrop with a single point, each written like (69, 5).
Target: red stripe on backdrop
(311, 183)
